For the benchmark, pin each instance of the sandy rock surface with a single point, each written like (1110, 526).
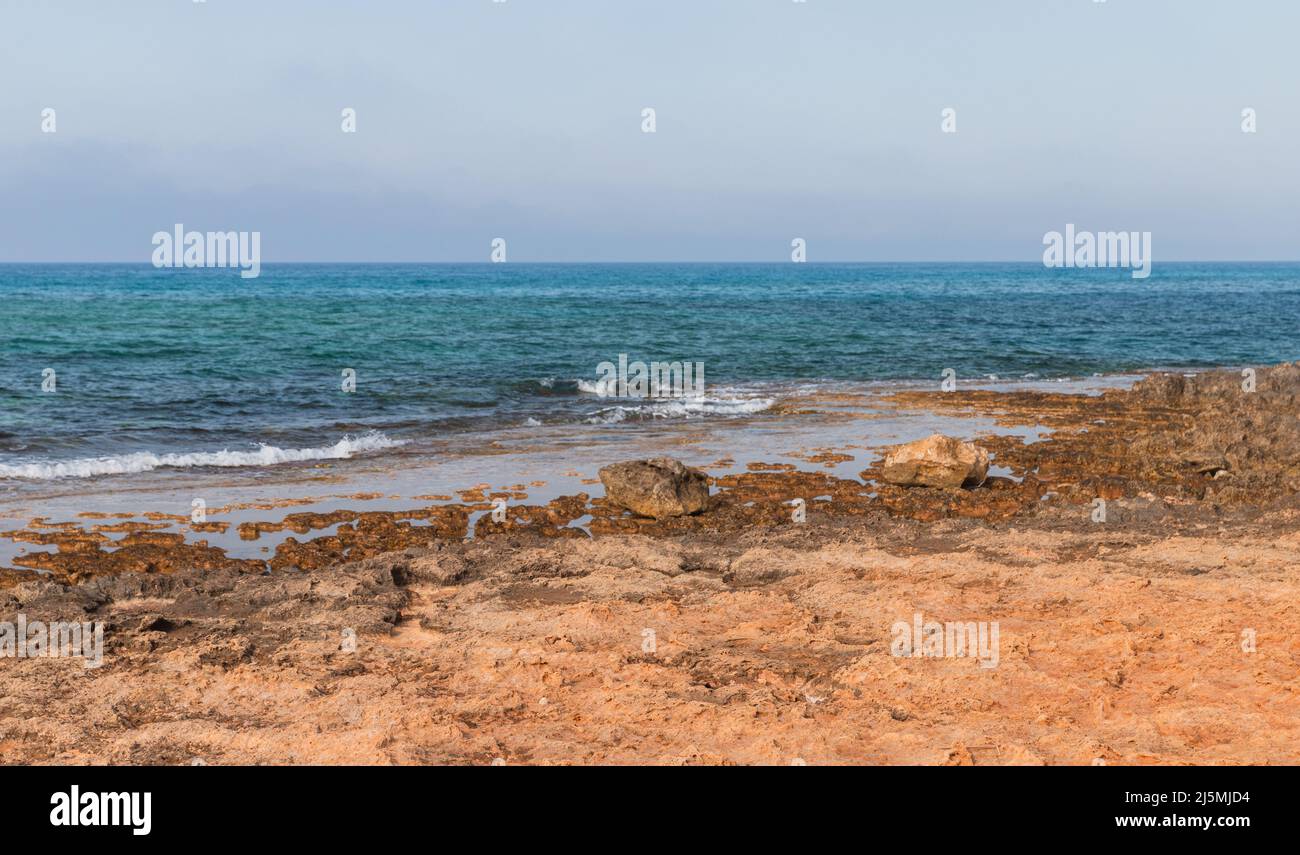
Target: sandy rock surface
(1116, 645)
(1141, 567)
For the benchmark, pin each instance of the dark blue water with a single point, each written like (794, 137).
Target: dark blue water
(182, 361)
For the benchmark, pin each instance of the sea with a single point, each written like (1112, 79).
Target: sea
(109, 371)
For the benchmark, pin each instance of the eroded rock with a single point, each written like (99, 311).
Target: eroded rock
(936, 461)
(658, 487)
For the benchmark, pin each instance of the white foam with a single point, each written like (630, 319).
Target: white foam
(144, 461)
(684, 408)
(604, 386)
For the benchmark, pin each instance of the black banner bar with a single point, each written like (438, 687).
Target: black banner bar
(243, 804)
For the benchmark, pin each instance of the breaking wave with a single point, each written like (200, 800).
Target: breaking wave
(603, 386)
(682, 408)
(144, 461)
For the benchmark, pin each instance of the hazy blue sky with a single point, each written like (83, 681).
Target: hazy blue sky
(522, 120)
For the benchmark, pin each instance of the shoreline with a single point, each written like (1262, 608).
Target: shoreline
(780, 398)
(852, 421)
(769, 640)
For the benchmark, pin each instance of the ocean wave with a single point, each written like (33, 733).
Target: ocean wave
(602, 386)
(144, 461)
(547, 387)
(682, 408)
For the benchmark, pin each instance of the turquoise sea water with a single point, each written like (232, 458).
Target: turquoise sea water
(175, 368)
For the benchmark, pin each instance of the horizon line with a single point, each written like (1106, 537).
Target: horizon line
(692, 261)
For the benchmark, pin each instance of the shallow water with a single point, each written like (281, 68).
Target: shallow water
(547, 462)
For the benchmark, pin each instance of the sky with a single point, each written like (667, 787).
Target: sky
(774, 120)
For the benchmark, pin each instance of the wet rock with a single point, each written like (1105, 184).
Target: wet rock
(1208, 461)
(1162, 388)
(1143, 509)
(659, 487)
(936, 461)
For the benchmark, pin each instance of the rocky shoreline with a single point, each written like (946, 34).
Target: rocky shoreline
(1125, 556)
